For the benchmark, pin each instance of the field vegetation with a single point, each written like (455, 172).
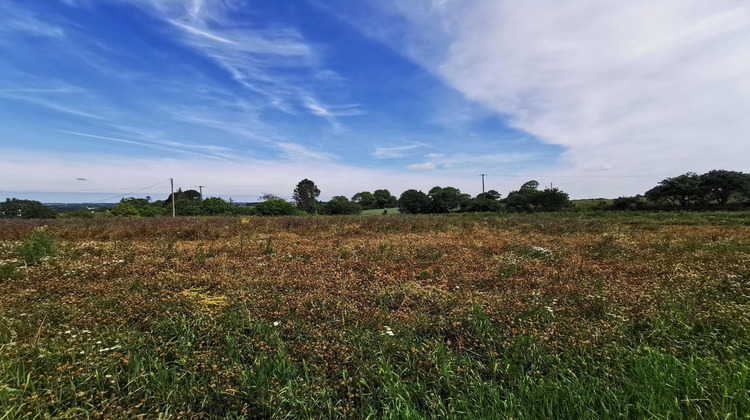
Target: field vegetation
(555, 315)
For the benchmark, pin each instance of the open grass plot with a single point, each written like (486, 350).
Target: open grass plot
(556, 316)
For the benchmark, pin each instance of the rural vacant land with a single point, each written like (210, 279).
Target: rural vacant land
(629, 315)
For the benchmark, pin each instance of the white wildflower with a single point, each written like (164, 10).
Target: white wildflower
(276, 323)
(388, 331)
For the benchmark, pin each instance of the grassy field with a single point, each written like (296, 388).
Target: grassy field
(375, 212)
(458, 316)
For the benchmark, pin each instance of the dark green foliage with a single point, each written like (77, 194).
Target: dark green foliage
(414, 202)
(214, 206)
(552, 199)
(481, 205)
(384, 199)
(341, 205)
(445, 200)
(278, 207)
(628, 203)
(25, 209)
(190, 195)
(691, 190)
(306, 195)
(365, 199)
(528, 199)
(186, 207)
(722, 186)
(490, 195)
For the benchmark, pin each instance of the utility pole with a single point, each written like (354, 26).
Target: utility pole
(171, 183)
(482, 175)
(200, 190)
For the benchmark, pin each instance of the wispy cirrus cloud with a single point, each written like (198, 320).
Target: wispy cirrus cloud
(272, 62)
(150, 140)
(19, 20)
(59, 97)
(396, 152)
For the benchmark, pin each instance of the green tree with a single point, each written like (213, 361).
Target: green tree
(341, 205)
(268, 196)
(384, 199)
(189, 195)
(414, 202)
(214, 206)
(445, 200)
(306, 195)
(278, 207)
(365, 199)
(25, 209)
(490, 195)
(683, 190)
(551, 199)
(722, 186)
(523, 199)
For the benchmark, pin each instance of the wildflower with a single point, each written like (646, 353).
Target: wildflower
(388, 331)
(276, 323)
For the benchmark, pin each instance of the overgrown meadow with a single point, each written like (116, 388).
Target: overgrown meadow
(458, 316)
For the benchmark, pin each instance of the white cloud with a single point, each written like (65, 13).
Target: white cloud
(395, 152)
(434, 155)
(640, 87)
(421, 166)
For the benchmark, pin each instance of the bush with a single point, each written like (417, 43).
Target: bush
(278, 207)
(38, 245)
(341, 205)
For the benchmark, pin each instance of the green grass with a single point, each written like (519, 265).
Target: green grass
(377, 212)
(234, 367)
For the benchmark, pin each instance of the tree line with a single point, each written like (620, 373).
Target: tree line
(717, 189)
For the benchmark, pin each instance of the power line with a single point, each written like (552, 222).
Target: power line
(131, 192)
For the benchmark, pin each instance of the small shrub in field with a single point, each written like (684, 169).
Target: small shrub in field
(38, 245)
(7, 270)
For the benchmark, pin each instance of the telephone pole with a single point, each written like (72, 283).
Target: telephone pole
(482, 175)
(200, 190)
(171, 183)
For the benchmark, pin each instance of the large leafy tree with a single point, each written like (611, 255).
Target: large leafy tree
(365, 199)
(447, 199)
(341, 205)
(528, 198)
(684, 190)
(489, 195)
(523, 199)
(721, 185)
(414, 202)
(384, 199)
(306, 195)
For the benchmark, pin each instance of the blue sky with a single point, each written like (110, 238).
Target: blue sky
(104, 97)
